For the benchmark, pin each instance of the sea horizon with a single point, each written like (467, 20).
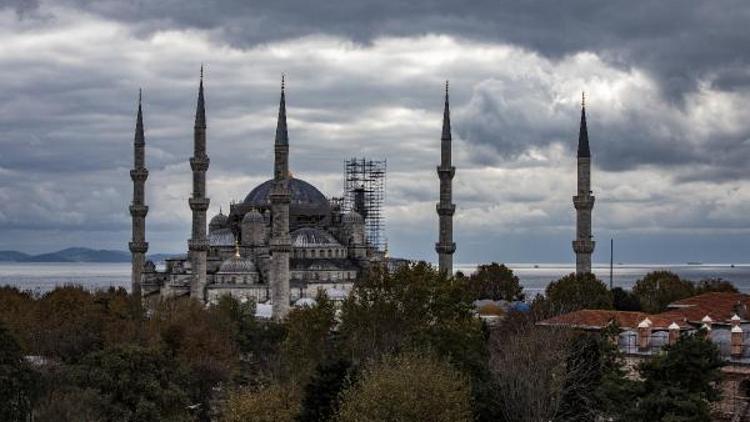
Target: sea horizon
(41, 277)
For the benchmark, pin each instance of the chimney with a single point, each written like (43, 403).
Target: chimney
(674, 332)
(707, 321)
(737, 340)
(736, 320)
(644, 335)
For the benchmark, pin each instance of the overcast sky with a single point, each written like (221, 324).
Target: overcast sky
(668, 106)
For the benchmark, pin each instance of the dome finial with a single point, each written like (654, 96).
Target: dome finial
(583, 99)
(236, 248)
(283, 76)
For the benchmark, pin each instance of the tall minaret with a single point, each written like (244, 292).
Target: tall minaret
(445, 208)
(280, 244)
(138, 209)
(198, 243)
(583, 201)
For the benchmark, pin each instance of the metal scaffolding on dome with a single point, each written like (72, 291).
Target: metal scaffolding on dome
(364, 192)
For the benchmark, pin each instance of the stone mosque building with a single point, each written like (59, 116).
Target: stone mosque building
(286, 241)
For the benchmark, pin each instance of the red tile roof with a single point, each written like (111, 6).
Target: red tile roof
(719, 306)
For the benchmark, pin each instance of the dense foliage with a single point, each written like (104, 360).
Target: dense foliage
(406, 344)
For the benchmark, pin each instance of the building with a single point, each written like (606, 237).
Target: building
(286, 240)
(725, 316)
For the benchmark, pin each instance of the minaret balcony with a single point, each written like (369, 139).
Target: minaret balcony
(445, 248)
(198, 245)
(138, 247)
(137, 210)
(139, 175)
(445, 209)
(583, 246)
(199, 204)
(199, 163)
(446, 172)
(583, 202)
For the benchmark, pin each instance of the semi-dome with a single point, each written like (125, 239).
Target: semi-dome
(312, 237)
(237, 265)
(352, 217)
(302, 193)
(253, 216)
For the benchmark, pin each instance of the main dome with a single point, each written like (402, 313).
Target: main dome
(302, 192)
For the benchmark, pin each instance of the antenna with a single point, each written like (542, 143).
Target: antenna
(611, 261)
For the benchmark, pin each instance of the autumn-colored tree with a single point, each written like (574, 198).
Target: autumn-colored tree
(495, 281)
(17, 315)
(408, 387)
(714, 285)
(273, 403)
(658, 289)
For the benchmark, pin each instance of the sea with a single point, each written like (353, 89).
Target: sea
(43, 277)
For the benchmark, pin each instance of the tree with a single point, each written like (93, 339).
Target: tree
(133, 384)
(658, 289)
(321, 393)
(495, 281)
(308, 328)
(573, 292)
(274, 403)
(714, 285)
(623, 300)
(18, 382)
(407, 387)
(678, 384)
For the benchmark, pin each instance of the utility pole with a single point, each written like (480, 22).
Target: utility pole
(611, 261)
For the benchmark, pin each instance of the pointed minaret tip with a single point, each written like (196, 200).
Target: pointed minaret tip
(583, 134)
(200, 110)
(282, 136)
(583, 99)
(446, 116)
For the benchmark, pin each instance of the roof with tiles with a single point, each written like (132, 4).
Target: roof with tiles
(719, 306)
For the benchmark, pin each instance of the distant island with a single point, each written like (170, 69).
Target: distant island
(75, 255)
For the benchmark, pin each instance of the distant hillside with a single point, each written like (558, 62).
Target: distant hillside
(75, 255)
(81, 255)
(13, 256)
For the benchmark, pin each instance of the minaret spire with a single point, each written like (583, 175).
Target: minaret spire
(138, 210)
(583, 202)
(280, 243)
(199, 162)
(445, 247)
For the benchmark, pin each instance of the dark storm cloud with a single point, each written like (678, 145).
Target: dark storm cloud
(680, 42)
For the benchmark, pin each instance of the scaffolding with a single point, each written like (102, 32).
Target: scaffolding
(364, 192)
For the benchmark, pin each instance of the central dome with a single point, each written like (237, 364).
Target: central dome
(302, 192)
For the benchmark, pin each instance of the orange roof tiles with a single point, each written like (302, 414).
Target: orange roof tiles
(719, 306)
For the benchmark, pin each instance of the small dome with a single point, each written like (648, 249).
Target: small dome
(237, 265)
(219, 220)
(253, 217)
(312, 237)
(352, 217)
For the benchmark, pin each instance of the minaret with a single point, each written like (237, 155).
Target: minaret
(445, 208)
(280, 244)
(138, 209)
(583, 246)
(198, 243)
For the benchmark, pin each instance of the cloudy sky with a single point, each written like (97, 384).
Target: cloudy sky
(668, 103)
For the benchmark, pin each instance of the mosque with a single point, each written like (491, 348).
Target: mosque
(286, 241)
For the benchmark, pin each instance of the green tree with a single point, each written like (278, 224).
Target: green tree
(679, 384)
(18, 382)
(407, 387)
(573, 292)
(321, 393)
(134, 384)
(658, 289)
(495, 281)
(308, 328)
(623, 300)
(714, 285)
